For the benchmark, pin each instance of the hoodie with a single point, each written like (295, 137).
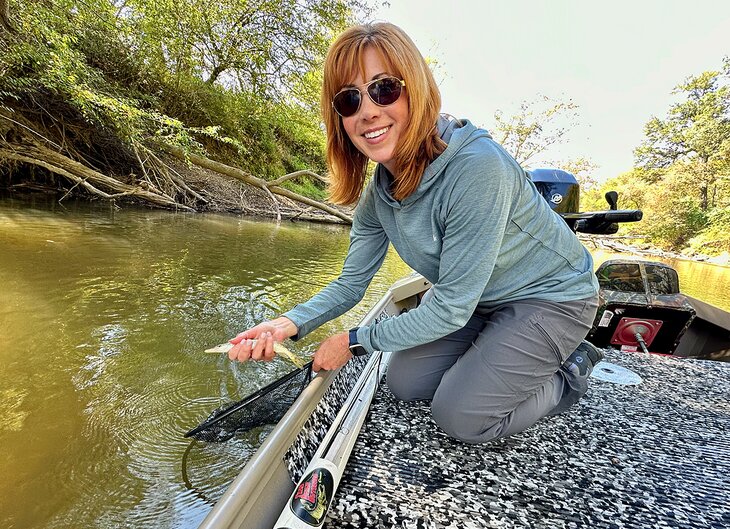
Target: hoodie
(476, 227)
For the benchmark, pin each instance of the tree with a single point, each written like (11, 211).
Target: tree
(537, 126)
(5, 24)
(94, 92)
(260, 47)
(696, 132)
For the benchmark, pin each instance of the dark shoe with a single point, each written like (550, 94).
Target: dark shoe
(581, 362)
(575, 372)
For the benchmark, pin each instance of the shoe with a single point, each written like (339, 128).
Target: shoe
(581, 362)
(576, 370)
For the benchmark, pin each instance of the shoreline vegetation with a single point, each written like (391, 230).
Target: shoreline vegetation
(187, 106)
(644, 249)
(195, 106)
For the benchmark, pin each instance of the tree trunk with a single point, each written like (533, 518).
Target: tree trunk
(213, 74)
(5, 17)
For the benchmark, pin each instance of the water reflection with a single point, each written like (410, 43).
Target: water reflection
(103, 319)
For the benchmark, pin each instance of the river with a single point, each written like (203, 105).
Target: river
(104, 316)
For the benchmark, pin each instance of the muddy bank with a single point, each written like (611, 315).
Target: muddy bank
(214, 192)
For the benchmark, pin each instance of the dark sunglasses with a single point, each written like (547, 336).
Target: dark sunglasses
(383, 92)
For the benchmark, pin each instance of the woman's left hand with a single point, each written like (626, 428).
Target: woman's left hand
(334, 352)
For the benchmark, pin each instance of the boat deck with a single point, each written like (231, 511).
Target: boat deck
(651, 455)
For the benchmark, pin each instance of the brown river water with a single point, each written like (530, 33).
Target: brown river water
(104, 316)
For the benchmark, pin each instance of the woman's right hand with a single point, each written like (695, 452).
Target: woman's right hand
(265, 334)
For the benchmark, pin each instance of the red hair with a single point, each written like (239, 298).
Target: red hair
(420, 143)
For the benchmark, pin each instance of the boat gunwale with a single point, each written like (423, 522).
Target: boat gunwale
(247, 490)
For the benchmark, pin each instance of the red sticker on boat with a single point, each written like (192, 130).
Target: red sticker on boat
(312, 497)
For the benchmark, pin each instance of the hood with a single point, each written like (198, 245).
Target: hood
(457, 133)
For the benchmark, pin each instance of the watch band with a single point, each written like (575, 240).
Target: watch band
(355, 348)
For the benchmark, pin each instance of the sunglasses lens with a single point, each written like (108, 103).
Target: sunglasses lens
(385, 91)
(347, 102)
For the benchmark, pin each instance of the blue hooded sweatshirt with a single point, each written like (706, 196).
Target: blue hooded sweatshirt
(476, 227)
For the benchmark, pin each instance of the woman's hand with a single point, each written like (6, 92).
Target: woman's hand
(334, 352)
(265, 334)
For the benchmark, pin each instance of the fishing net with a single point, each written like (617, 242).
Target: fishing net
(266, 406)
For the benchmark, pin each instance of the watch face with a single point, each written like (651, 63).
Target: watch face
(358, 350)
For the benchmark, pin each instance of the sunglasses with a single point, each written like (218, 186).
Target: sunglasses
(383, 92)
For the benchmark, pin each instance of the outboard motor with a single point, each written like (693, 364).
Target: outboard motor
(561, 190)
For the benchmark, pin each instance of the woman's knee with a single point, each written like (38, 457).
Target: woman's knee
(400, 379)
(462, 425)
(400, 387)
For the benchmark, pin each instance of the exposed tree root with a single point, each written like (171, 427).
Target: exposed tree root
(150, 179)
(91, 180)
(270, 187)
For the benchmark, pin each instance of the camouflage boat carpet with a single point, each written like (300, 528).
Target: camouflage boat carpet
(651, 455)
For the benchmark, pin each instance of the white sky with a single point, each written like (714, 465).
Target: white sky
(617, 60)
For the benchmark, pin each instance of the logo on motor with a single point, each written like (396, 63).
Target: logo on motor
(556, 198)
(312, 497)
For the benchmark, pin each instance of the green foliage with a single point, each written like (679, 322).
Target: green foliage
(633, 192)
(695, 127)
(238, 80)
(672, 209)
(695, 132)
(682, 176)
(716, 238)
(307, 188)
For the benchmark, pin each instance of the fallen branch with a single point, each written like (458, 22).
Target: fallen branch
(82, 175)
(177, 179)
(276, 203)
(252, 180)
(296, 174)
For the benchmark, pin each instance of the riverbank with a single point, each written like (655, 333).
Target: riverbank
(615, 244)
(223, 194)
(216, 193)
(228, 195)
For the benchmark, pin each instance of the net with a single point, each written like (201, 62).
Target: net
(266, 406)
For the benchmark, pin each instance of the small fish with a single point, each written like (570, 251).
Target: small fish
(278, 349)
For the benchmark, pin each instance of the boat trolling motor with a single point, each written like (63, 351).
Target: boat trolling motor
(561, 190)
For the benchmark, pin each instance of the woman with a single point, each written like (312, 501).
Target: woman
(514, 291)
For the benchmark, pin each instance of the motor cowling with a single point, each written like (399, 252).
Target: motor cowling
(559, 188)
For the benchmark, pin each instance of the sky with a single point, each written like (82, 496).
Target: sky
(618, 61)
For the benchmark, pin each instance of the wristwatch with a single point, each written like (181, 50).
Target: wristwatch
(355, 348)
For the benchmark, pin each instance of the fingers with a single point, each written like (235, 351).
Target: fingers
(241, 351)
(269, 353)
(260, 348)
(245, 335)
(257, 353)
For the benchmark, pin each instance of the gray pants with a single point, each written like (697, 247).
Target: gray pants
(500, 373)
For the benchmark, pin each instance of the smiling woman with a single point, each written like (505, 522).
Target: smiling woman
(375, 129)
(497, 343)
(409, 141)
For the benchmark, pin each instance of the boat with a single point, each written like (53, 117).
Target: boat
(642, 308)
(646, 447)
